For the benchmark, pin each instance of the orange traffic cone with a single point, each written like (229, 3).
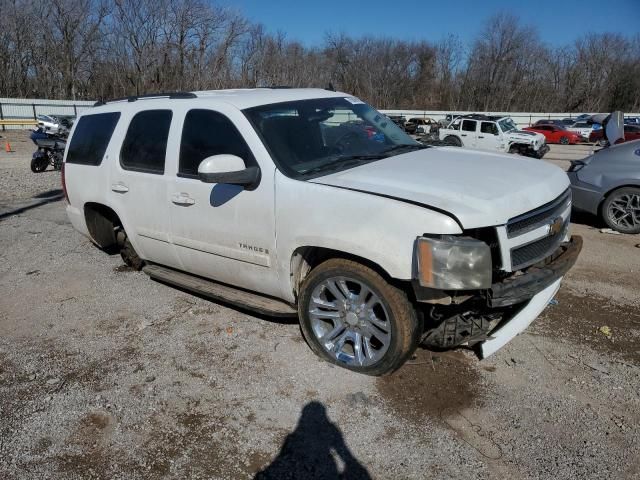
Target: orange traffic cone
(7, 147)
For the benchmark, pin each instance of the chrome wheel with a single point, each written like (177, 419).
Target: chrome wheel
(349, 321)
(624, 211)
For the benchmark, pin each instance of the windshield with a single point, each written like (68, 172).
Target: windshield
(308, 138)
(506, 125)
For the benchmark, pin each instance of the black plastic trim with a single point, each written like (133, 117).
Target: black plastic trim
(518, 289)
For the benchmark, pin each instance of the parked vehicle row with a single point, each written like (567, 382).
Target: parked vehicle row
(497, 134)
(56, 124)
(240, 195)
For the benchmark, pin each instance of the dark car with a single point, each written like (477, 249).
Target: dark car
(631, 132)
(546, 121)
(398, 120)
(607, 184)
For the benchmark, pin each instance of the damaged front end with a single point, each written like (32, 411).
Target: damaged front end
(470, 318)
(483, 289)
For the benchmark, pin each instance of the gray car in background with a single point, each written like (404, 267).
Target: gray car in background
(607, 184)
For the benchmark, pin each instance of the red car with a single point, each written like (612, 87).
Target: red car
(631, 132)
(556, 134)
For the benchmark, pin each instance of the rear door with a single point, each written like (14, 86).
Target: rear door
(138, 183)
(488, 137)
(221, 231)
(468, 133)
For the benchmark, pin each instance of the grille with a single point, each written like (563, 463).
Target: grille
(537, 250)
(540, 216)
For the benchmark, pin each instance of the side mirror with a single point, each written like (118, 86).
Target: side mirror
(228, 169)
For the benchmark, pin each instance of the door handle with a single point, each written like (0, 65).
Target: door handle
(479, 136)
(119, 188)
(183, 199)
(463, 134)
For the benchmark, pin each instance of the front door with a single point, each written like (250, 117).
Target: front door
(221, 231)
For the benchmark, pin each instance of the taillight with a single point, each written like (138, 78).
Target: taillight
(64, 184)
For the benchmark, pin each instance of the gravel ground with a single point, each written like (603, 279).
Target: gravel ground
(105, 373)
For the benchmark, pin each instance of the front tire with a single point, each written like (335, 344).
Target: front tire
(621, 210)
(453, 141)
(352, 317)
(564, 141)
(39, 164)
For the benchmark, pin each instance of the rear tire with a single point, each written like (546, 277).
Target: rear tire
(564, 141)
(352, 317)
(130, 257)
(621, 210)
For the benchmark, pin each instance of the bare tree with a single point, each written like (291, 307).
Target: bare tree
(112, 48)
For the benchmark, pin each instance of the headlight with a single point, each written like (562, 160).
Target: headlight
(454, 263)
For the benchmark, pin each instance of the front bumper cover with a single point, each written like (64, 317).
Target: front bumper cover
(520, 288)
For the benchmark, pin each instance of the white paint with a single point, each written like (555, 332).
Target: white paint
(520, 322)
(480, 188)
(248, 239)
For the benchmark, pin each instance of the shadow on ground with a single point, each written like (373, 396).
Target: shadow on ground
(55, 197)
(56, 192)
(314, 450)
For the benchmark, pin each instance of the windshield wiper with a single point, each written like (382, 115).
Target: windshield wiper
(407, 146)
(344, 161)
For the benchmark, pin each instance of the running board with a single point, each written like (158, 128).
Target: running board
(224, 293)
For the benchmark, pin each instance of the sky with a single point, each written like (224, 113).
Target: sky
(558, 22)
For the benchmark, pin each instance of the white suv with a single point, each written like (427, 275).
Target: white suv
(311, 203)
(495, 134)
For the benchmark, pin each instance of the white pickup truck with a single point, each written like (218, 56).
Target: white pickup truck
(311, 203)
(494, 134)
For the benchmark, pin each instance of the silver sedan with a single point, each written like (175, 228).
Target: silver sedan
(607, 184)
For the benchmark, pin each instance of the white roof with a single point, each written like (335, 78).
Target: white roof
(240, 98)
(252, 97)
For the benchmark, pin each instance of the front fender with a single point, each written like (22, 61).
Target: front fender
(379, 229)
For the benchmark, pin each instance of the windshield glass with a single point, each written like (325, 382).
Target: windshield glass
(506, 125)
(309, 138)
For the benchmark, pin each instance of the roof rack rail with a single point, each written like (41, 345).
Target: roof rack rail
(133, 98)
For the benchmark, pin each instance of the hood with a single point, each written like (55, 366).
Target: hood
(479, 188)
(525, 135)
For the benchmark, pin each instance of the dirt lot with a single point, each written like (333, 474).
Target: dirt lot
(105, 373)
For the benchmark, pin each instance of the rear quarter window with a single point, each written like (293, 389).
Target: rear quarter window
(91, 137)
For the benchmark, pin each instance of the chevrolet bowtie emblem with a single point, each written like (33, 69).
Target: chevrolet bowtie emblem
(556, 227)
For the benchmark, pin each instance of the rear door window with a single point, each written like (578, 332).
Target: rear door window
(145, 146)
(207, 133)
(91, 137)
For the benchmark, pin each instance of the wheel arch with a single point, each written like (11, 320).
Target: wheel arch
(306, 258)
(613, 189)
(454, 136)
(102, 222)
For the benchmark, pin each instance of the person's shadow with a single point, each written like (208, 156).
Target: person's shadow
(311, 451)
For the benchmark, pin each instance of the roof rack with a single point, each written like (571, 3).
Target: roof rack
(133, 98)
